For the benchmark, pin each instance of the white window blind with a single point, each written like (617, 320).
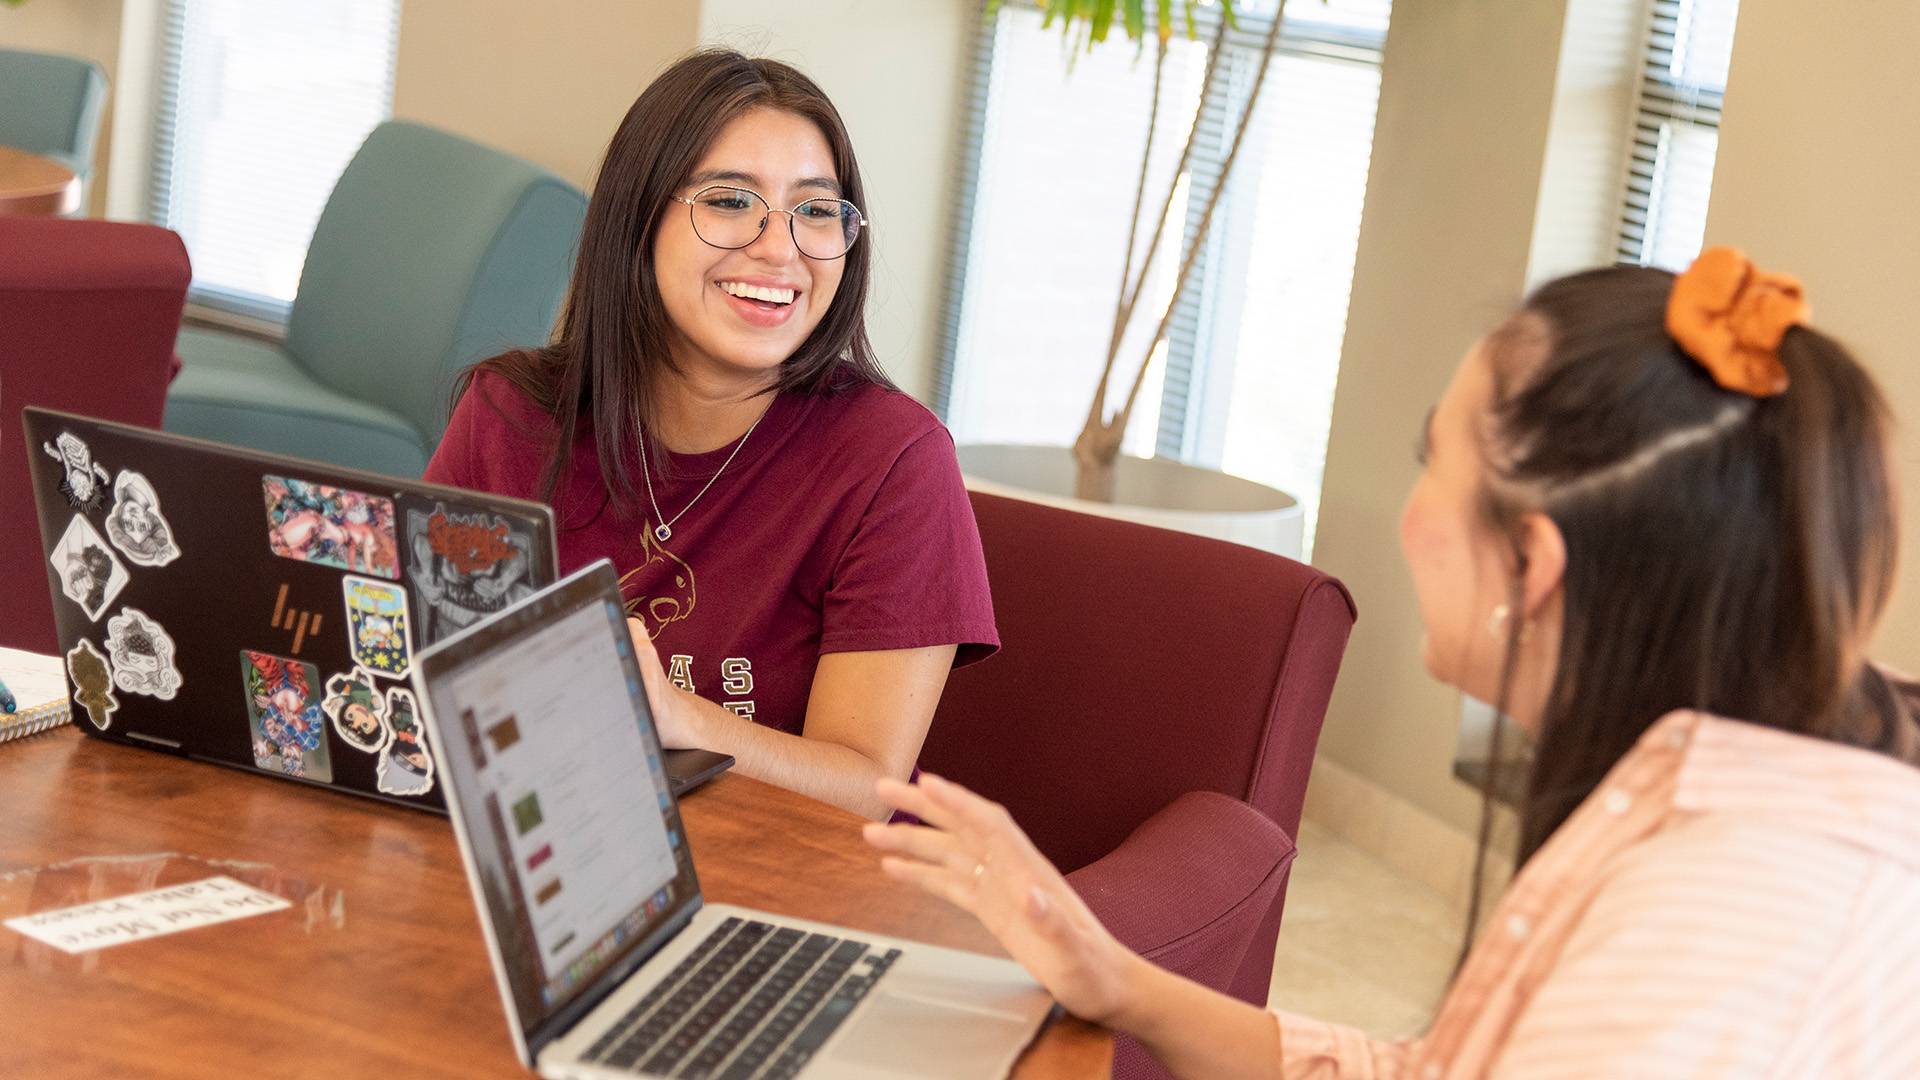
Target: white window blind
(1245, 381)
(262, 103)
(1676, 131)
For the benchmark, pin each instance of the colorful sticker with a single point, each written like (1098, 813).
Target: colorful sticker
(89, 574)
(358, 712)
(283, 707)
(135, 525)
(92, 683)
(85, 482)
(463, 567)
(378, 634)
(405, 768)
(142, 655)
(331, 526)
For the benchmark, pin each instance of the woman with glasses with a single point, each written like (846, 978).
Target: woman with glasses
(799, 558)
(1655, 523)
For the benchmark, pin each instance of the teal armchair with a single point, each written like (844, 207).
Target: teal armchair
(432, 252)
(53, 106)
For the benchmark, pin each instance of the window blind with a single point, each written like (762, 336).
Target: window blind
(1676, 131)
(261, 105)
(1046, 182)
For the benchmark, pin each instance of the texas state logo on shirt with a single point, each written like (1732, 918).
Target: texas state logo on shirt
(663, 589)
(659, 591)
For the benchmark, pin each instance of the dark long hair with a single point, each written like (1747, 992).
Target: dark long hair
(1724, 553)
(611, 336)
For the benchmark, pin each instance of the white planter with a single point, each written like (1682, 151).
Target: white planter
(1151, 491)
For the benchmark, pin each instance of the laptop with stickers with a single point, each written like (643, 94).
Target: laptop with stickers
(261, 611)
(608, 959)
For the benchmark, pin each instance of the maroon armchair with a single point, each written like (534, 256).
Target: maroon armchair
(88, 314)
(1150, 721)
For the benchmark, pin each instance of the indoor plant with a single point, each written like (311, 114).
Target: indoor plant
(1095, 477)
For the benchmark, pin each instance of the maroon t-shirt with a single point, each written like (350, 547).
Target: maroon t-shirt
(841, 526)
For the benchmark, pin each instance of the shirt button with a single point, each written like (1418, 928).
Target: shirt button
(1617, 802)
(1518, 927)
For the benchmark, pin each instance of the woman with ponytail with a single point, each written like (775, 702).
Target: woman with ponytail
(1656, 523)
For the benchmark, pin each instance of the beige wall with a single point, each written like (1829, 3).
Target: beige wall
(1459, 145)
(1818, 158)
(85, 28)
(897, 79)
(548, 82)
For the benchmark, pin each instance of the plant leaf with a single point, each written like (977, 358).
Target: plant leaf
(1102, 21)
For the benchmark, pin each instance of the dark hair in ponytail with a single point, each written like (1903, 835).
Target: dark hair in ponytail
(1724, 553)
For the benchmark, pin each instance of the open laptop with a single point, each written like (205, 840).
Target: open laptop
(609, 962)
(261, 611)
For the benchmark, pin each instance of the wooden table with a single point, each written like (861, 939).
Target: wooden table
(31, 185)
(378, 969)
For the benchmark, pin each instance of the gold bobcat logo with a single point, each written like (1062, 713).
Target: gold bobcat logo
(672, 584)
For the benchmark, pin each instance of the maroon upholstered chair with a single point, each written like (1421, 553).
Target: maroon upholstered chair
(88, 314)
(1150, 721)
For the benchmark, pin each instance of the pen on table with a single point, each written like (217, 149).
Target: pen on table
(7, 704)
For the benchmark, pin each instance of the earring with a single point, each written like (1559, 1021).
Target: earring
(1497, 625)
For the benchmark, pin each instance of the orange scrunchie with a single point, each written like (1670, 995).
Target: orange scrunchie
(1730, 318)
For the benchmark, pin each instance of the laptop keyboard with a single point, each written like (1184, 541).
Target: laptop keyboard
(751, 1002)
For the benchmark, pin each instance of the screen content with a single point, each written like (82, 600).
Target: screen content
(564, 796)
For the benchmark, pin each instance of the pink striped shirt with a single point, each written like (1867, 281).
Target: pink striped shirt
(1731, 901)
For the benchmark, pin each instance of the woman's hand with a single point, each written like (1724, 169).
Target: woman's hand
(676, 713)
(971, 854)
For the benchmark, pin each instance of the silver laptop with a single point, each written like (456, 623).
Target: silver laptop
(609, 962)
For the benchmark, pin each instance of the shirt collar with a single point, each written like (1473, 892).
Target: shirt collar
(1731, 767)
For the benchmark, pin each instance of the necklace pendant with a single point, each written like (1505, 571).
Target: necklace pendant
(662, 533)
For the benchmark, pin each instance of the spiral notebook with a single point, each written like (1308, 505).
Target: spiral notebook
(39, 686)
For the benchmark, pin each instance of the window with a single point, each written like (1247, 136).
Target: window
(1676, 131)
(1245, 381)
(262, 103)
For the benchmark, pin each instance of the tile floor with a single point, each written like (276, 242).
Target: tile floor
(1359, 943)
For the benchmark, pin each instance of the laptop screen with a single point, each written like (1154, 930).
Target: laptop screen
(555, 771)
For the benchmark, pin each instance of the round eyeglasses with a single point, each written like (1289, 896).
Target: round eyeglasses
(732, 218)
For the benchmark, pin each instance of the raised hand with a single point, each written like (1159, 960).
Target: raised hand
(971, 854)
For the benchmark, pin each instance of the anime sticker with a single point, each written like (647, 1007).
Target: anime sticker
(283, 708)
(405, 768)
(92, 683)
(358, 712)
(331, 526)
(142, 655)
(89, 574)
(463, 567)
(664, 584)
(135, 525)
(377, 630)
(85, 481)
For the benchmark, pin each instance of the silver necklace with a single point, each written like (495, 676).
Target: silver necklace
(664, 531)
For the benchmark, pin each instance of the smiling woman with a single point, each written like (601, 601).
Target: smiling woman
(797, 551)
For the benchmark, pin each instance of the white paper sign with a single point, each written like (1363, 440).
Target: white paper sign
(86, 927)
